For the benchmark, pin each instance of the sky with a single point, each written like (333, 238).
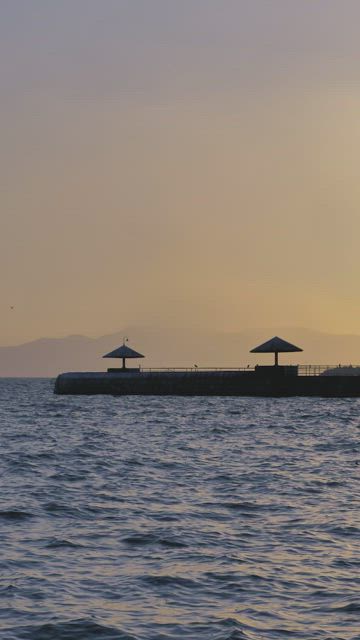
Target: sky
(178, 163)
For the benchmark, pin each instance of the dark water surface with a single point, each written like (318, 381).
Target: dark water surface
(178, 518)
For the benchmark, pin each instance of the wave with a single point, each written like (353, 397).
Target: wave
(151, 539)
(15, 515)
(72, 630)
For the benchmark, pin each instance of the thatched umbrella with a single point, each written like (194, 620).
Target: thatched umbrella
(275, 345)
(123, 352)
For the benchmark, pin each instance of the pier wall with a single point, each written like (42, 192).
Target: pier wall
(210, 383)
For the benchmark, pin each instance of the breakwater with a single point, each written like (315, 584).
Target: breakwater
(263, 381)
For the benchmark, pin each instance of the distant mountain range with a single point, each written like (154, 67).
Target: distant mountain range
(174, 347)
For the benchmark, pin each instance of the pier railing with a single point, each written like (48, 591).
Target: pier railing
(303, 369)
(319, 369)
(196, 369)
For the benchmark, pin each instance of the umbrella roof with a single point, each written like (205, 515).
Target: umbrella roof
(275, 345)
(123, 352)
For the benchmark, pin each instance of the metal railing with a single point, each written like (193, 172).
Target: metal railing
(194, 369)
(319, 369)
(303, 369)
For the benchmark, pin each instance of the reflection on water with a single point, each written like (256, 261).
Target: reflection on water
(168, 518)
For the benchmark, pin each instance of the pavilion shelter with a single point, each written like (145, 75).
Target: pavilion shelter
(124, 352)
(276, 345)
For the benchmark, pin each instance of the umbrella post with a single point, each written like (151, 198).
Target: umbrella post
(123, 360)
(276, 358)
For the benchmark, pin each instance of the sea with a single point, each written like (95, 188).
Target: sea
(173, 518)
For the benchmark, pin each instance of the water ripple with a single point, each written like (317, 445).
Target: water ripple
(172, 518)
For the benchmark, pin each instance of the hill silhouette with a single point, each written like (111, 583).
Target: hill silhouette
(47, 357)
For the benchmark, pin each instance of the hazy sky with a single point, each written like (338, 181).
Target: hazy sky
(179, 163)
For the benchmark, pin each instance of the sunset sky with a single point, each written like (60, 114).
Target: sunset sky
(179, 163)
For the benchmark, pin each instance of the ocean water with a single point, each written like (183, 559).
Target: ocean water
(163, 518)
